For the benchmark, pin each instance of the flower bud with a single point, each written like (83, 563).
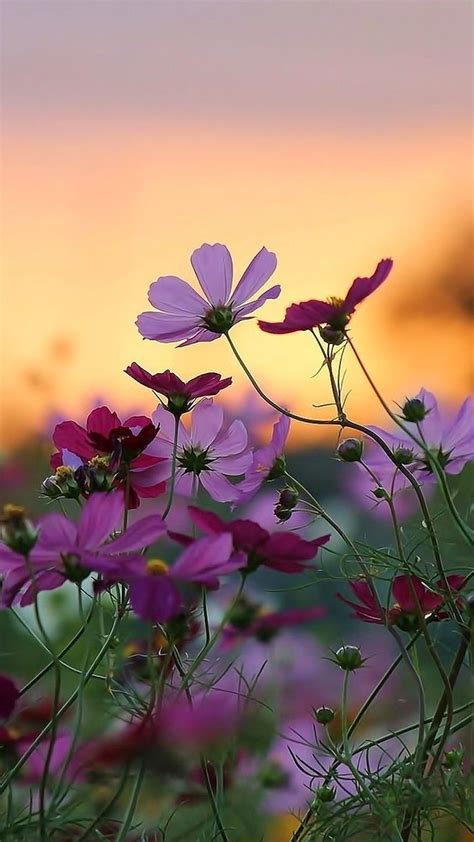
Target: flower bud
(288, 497)
(16, 530)
(350, 450)
(324, 715)
(349, 658)
(323, 795)
(243, 613)
(414, 410)
(61, 484)
(403, 456)
(331, 335)
(452, 759)
(380, 494)
(278, 468)
(282, 513)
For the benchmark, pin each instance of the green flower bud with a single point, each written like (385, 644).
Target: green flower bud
(350, 450)
(414, 410)
(331, 335)
(16, 530)
(324, 715)
(349, 658)
(403, 456)
(323, 795)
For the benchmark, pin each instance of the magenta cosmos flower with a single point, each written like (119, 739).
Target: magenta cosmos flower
(404, 613)
(335, 312)
(268, 462)
(181, 396)
(282, 551)
(69, 551)
(207, 454)
(107, 442)
(154, 592)
(183, 314)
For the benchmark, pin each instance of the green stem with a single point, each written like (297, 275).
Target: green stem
(173, 469)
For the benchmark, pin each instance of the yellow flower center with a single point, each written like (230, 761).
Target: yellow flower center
(64, 472)
(335, 301)
(156, 567)
(12, 512)
(99, 462)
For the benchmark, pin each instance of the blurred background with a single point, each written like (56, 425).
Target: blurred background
(334, 133)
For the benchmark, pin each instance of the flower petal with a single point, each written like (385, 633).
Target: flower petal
(362, 287)
(206, 421)
(213, 268)
(165, 327)
(100, 516)
(155, 598)
(176, 297)
(139, 535)
(219, 488)
(231, 441)
(257, 273)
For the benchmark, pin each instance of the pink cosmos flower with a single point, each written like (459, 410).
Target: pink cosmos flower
(450, 439)
(404, 612)
(207, 452)
(69, 551)
(335, 312)
(154, 593)
(181, 395)
(267, 462)
(282, 551)
(183, 314)
(123, 444)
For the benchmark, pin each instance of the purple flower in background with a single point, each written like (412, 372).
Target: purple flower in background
(181, 395)
(264, 625)
(267, 462)
(154, 594)
(183, 314)
(69, 551)
(207, 453)
(282, 551)
(451, 441)
(255, 413)
(335, 312)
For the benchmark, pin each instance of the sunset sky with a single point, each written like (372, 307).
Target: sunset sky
(335, 133)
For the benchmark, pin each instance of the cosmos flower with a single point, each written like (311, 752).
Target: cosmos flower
(183, 314)
(181, 396)
(335, 312)
(404, 613)
(207, 453)
(69, 551)
(154, 592)
(281, 551)
(451, 441)
(109, 443)
(267, 462)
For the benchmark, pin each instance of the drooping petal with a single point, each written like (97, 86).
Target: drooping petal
(207, 521)
(167, 328)
(100, 516)
(363, 591)
(139, 535)
(362, 287)
(280, 433)
(213, 268)
(206, 421)
(176, 297)
(218, 487)
(257, 273)
(301, 316)
(155, 598)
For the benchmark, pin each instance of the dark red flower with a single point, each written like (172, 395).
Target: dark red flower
(335, 312)
(181, 395)
(404, 612)
(282, 551)
(9, 695)
(265, 625)
(119, 445)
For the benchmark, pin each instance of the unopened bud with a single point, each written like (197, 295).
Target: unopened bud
(403, 456)
(350, 450)
(16, 530)
(288, 497)
(323, 795)
(331, 335)
(452, 759)
(349, 658)
(414, 410)
(282, 513)
(324, 715)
